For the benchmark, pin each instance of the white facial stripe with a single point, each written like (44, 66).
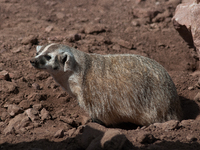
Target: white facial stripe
(45, 49)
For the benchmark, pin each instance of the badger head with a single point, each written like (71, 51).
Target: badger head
(53, 58)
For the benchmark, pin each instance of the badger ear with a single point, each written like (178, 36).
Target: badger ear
(68, 61)
(38, 48)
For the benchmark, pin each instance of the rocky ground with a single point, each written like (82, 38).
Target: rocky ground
(36, 114)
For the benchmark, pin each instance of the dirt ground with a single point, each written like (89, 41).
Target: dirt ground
(141, 27)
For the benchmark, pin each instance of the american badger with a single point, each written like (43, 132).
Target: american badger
(112, 88)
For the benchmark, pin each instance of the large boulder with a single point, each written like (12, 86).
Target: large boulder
(186, 21)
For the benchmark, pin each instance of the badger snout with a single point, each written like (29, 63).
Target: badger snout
(34, 62)
(38, 62)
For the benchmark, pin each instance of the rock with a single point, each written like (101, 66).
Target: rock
(186, 123)
(59, 133)
(191, 88)
(90, 132)
(4, 75)
(36, 86)
(60, 15)
(186, 21)
(19, 121)
(197, 97)
(145, 138)
(49, 29)
(37, 97)
(37, 107)
(113, 139)
(191, 138)
(95, 29)
(44, 114)
(14, 109)
(42, 75)
(8, 87)
(169, 125)
(73, 36)
(70, 132)
(32, 114)
(69, 121)
(116, 47)
(122, 43)
(25, 104)
(4, 115)
(16, 50)
(32, 39)
(85, 119)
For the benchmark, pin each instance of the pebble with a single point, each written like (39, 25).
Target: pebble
(49, 29)
(145, 138)
(32, 114)
(113, 139)
(25, 104)
(191, 138)
(169, 125)
(59, 133)
(44, 114)
(197, 97)
(60, 15)
(14, 109)
(4, 75)
(36, 86)
(9, 87)
(32, 39)
(70, 132)
(37, 107)
(122, 43)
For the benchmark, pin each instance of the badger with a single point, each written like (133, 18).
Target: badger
(113, 88)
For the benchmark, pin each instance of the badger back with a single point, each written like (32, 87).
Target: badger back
(129, 88)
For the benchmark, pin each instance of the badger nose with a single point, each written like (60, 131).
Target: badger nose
(34, 62)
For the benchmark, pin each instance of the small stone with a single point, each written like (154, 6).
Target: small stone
(42, 75)
(116, 47)
(60, 15)
(68, 121)
(145, 138)
(4, 75)
(70, 132)
(32, 39)
(122, 43)
(18, 122)
(59, 133)
(25, 104)
(191, 138)
(36, 86)
(37, 97)
(14, 109)
(16, 50)
(44, 114)
(95, 29)
(8, 87)
(37, 107)
(4, 115)
(49, 29)
(32, 114)
(169, 125)
(197, 97)
(191, 88)
(113, 139)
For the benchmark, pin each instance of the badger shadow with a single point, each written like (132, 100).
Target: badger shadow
(190, 108)
(95, 143)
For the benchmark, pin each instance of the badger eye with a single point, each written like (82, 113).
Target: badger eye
(47, 57)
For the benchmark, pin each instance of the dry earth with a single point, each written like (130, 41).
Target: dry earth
(36, 114)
